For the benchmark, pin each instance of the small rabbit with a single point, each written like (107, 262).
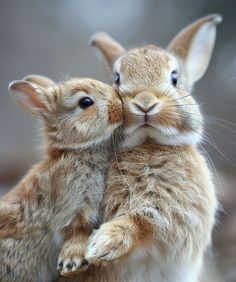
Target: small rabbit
(60, 197)
(160, 203)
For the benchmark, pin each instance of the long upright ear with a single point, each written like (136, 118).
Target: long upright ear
(39, 79)
(194, 46)
(110, 49)
(28, 96)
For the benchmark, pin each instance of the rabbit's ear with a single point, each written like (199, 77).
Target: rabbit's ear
(39, 79)
(194, 46)
(28, 96)
(110, 49)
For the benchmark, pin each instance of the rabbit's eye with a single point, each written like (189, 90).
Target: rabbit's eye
(117, 78)
(85, 102)
(174, 78)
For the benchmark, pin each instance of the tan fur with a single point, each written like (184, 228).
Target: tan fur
(109, 47)
(39, 79)
(159, 205)
(59, 198)
(174, 186)
(164, 205)
(182, 41)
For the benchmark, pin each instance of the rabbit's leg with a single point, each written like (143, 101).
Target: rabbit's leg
(117, 239)
(11, 215)
(71, 258)
(169, 234)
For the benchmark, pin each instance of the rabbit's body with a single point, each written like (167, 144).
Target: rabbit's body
(170, 186)
(60, 197)
(160, 203)
(52, 195)
(166, 193)
(139, 268)
(31, 258)
(149, 200)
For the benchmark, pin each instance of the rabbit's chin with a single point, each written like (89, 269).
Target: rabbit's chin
(160, 135)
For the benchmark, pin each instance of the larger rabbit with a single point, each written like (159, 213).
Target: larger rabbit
(160, 203)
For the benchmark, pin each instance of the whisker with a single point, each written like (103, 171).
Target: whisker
(222, 153)
(215, 120)
(119, 166)
(212, 166)
(225, 137)
(173, 106)
(180, 98)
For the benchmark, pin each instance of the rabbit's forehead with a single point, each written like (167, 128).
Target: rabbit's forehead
(145, 67)
(88, 86)
(150, 60)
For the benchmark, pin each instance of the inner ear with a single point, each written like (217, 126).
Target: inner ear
(194, 46)
(28, 96)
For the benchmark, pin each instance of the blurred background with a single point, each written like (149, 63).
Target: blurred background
(51, 38)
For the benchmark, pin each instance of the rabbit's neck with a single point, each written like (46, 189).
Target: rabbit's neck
(95, 154)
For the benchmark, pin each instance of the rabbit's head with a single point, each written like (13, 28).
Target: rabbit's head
(77, 113)
(155, 83)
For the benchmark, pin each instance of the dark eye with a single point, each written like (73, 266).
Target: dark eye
(174, 77)
(85, 102)
(117, 78)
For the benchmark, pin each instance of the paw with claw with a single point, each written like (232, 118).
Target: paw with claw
(71, 258)
(110, 243)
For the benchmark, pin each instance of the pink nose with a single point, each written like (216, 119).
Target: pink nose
(145, 109)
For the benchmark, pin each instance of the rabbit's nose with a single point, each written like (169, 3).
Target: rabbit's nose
(146, 108)
(146, 102)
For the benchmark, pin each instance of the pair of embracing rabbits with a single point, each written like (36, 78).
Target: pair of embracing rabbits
(159, 203)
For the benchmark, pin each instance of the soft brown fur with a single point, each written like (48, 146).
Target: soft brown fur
(58, 200)
(159, 206)
(155, 206)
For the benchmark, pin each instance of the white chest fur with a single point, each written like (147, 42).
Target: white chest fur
(148, 267)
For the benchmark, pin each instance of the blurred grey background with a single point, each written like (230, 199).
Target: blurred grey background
(51, 38)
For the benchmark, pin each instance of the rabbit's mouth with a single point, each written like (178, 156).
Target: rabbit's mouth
(146, 121)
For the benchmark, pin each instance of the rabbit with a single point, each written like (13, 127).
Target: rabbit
(60, 196)
(160, 203)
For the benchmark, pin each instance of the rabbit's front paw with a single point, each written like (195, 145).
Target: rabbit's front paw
(109, 243)
(71, 258)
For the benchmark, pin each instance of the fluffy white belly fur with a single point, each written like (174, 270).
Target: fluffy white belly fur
(148, 267)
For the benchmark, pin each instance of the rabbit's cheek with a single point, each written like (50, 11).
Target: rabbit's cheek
(131, 119)
(115, 113)
(90, 113)
(167, 117)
